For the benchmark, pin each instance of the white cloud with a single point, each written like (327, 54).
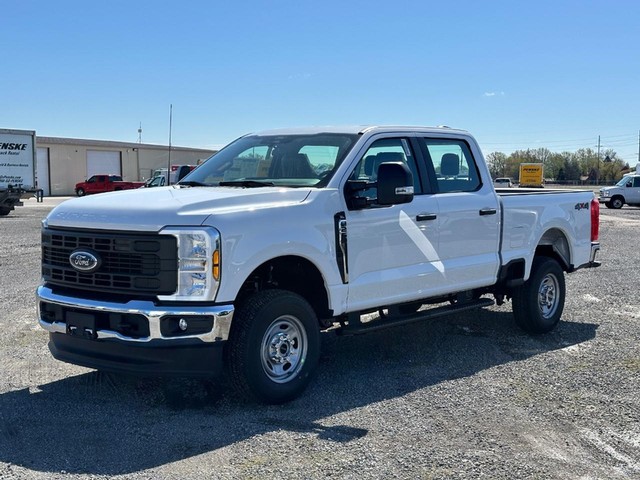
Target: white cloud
(493, 94)
(299, 76)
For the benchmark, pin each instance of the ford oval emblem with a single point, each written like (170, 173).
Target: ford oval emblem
(84, 260)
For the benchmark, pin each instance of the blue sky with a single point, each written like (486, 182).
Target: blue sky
(516, 74)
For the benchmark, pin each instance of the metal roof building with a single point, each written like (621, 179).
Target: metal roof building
(63, 162)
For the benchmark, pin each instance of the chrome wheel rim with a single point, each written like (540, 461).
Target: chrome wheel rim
(548, 295)
(284, 349)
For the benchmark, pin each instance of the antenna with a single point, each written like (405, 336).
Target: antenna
(140, 133)
(168, 179)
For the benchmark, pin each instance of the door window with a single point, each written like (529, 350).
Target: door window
(454, 166)
(385, 150)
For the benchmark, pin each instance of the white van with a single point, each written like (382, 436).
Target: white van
(503, 182)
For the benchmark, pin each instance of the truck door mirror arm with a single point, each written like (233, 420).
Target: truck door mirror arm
(355, 201)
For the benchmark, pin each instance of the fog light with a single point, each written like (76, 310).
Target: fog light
(185, 325)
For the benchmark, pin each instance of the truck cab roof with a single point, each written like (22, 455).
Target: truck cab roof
(359, 129)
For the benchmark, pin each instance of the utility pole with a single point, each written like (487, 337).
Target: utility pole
(598, 172)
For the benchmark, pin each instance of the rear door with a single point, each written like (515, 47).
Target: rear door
(392, 250)
(468, 214)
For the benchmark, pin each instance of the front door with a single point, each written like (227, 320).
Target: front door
(393, 250)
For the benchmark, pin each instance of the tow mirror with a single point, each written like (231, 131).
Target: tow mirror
(395, 183)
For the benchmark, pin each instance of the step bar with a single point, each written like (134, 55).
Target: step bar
(357, 327)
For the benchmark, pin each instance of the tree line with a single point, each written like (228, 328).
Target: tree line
(583, 165)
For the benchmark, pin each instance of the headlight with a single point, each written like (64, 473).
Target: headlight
(198, 263)
(605, 193)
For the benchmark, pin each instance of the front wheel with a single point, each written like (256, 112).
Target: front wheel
(538, 304)
(274, 346)
(80, 192)
(617, 202)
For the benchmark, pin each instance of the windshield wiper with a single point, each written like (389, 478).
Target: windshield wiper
(191, 183)
(246, 183)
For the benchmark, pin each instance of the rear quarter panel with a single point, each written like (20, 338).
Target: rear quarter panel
(527, 216)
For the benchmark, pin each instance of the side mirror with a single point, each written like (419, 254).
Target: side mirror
(628, 184)
(395, 183)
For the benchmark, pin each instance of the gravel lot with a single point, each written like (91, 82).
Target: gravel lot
(467, 396)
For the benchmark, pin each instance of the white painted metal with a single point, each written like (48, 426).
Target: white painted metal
(392, 257)
(103, 162)
(42, 170)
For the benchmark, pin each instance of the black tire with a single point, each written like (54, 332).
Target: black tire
(80, 192)
(4, 211)
(273, 346)
(617, 202)
(538, 304)
(608, 204)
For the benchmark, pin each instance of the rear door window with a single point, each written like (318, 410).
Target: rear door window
(454, 166)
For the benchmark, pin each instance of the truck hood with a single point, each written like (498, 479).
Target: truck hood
(151, 209)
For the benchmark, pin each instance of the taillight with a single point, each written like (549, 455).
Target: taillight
(595, 220)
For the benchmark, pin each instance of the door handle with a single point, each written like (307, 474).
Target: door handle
(421, 217)
(488, 211)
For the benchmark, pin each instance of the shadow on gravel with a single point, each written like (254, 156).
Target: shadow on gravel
(104, 424)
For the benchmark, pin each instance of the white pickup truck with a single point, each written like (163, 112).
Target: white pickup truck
(284, 234)
(626, 191)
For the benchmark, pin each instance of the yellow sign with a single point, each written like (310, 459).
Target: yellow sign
(531, 174)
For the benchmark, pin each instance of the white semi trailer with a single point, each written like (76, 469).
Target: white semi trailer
(17, 168)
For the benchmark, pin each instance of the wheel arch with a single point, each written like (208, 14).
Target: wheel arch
(293, 273)
(554, 244)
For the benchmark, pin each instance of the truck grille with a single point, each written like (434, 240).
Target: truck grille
(129, 263)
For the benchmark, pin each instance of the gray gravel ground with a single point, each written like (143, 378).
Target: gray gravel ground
(467, 396)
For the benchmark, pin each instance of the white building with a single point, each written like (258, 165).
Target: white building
(63, 162)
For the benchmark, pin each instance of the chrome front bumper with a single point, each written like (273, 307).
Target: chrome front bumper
(222, 316)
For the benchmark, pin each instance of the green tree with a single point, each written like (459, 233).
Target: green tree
(587, 160)
(497, 162)
(553, 166)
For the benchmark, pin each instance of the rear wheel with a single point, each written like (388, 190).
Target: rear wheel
(617, 202)
(4, 211)
(274, 346)
(538, 304)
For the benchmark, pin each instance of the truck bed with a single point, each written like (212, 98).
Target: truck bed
(530, 191)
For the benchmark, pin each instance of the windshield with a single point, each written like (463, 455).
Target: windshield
(280, 160)
(623, 181)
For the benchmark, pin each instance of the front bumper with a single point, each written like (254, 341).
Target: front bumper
(604, 199)
(136, 336)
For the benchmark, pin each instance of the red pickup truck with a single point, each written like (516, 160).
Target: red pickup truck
(104, 183)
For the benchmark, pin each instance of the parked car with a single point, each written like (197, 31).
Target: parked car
(502, 182)
(177, 172)
(104, 183)
(626, 191)
(158, 181)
